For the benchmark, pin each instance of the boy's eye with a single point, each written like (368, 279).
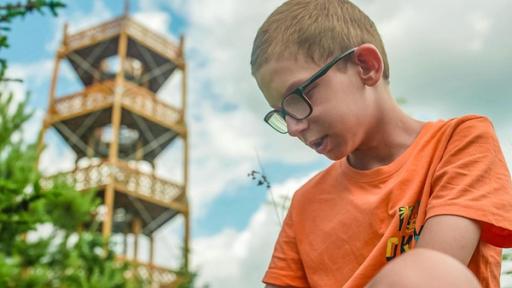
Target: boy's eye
(309, 92)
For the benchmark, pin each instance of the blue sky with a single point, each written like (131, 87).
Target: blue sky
(458, 64)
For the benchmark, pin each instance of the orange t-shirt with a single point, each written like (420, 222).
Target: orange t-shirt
(345, 224)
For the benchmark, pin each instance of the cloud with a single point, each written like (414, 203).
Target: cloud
(453, 65)
(157, 21)
(56, 149)
(33, 74)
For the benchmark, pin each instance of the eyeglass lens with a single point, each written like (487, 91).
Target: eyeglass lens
(277, 122)
(296, 106)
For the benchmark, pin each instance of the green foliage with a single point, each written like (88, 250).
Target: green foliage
(28, 258)
(65, 257)
(507, 257)
(187, 278)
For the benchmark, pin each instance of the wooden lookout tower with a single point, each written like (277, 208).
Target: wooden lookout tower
(117, 119)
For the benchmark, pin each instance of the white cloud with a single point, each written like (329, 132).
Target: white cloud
(56, 157)
(32, 74)
(157, 21)
(171, 91)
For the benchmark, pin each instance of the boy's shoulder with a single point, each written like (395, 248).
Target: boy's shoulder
(465, 127)
(460, 127)
(469, 120)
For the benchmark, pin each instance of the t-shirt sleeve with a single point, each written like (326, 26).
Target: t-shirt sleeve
(286, 267)
(473, 181)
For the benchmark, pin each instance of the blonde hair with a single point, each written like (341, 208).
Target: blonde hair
(315, 29)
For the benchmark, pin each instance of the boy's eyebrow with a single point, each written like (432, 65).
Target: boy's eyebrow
(292, 87)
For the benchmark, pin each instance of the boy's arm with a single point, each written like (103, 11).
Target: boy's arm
(424, 268)
(452, 235)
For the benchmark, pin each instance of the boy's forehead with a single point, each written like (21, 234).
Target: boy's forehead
(277, 78)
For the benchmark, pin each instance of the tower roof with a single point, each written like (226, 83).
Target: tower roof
(87, 50)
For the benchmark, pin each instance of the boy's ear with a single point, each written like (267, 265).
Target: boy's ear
(370, 63)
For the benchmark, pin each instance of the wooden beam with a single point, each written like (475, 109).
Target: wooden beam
(109, 204)
(71, 135)
(87, 123)
(186, 236)
(143, 212)
(184, 81)
(97, 52)
(118, 92)
(151, 250)
(136, 228)
(143, 127)
(52, 95)
(126, 11)
(173, 204)
(40, 142)
(186, 240)
(153, 66)
(178, 127)
(85, 66)
(185, 163)
(114, 144)
(125, 244)
(159, 220)
(53, 85)
(157, 72)
(153, 144)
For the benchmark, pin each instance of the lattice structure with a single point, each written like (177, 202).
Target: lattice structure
(124, 101)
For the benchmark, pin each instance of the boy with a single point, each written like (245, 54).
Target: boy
(396, 184)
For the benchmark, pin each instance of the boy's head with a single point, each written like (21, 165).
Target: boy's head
(316, 30)
(313, 61)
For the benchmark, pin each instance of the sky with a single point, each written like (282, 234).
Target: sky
(447, 58)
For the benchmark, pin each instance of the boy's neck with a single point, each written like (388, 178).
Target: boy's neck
(390, 135)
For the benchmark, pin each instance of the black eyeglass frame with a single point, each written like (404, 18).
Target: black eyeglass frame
(299, 91)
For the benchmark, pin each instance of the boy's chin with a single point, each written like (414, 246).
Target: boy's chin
(335, 156)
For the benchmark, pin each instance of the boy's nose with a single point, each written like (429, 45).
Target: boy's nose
(296, 127)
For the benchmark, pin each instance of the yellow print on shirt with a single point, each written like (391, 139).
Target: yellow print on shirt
(408, 235)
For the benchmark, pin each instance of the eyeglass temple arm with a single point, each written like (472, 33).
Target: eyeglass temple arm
(326, 68)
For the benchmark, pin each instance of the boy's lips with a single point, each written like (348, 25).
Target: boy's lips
(319, 144)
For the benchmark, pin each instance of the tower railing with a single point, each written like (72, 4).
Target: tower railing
(125, 178)
(113, 28)
(150, 272)
(101, 95)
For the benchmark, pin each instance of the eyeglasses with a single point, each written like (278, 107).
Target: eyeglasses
(296, 104)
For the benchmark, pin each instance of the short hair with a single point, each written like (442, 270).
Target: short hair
(315, 29)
